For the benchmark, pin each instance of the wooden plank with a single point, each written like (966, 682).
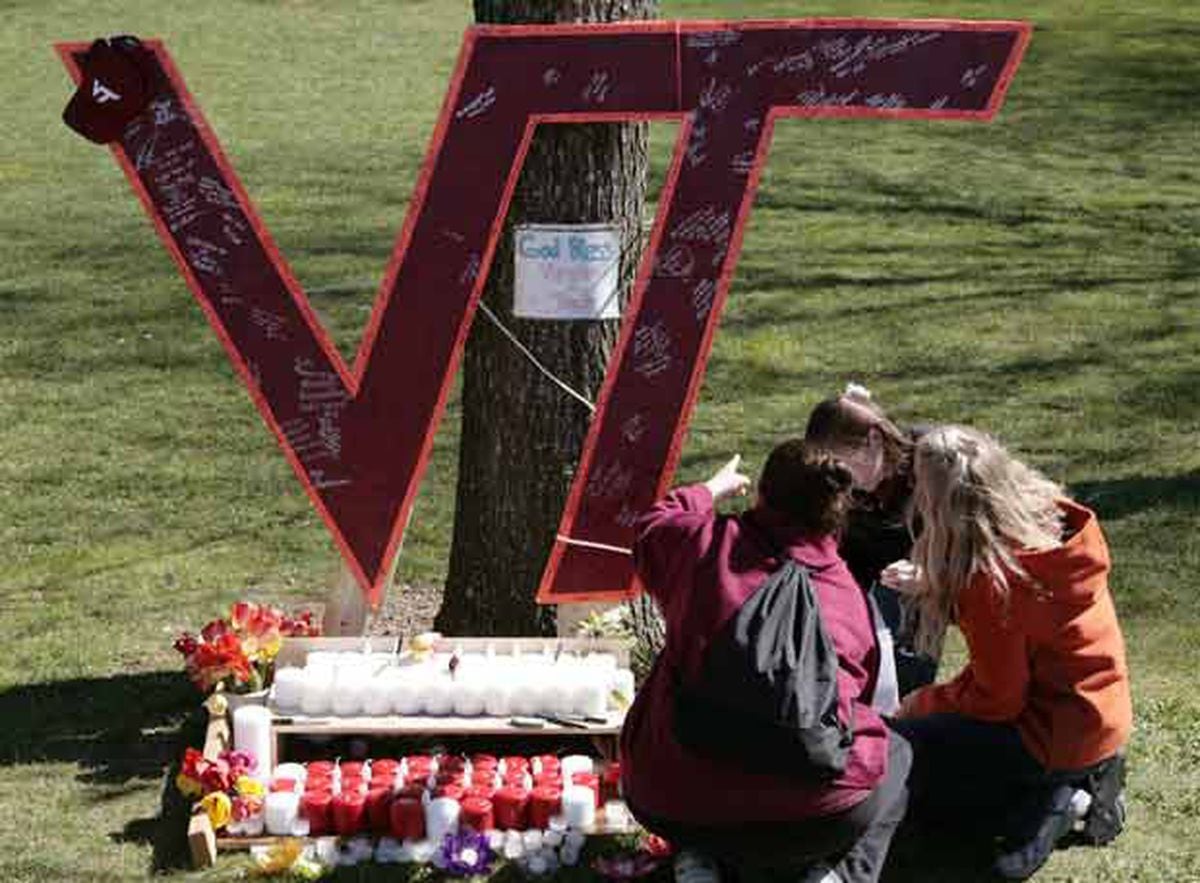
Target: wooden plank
(602, 828)
(293, 651)
(532, 646)
(417, 725)
(202, 843)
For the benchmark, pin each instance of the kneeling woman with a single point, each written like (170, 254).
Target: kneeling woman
(755, 810)
(1042, 706)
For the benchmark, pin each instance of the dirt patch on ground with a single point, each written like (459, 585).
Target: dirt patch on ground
(406, 610)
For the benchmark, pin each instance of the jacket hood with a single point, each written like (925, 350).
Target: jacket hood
(1078, 569)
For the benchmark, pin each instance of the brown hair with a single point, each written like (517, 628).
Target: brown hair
(846, 421)
(807, 485)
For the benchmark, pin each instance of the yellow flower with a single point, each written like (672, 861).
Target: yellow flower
(248, 787)
(219, 808)
(188, 786)
(279, 857)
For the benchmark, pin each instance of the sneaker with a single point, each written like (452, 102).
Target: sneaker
(695, 867)
(822, 874)
(1021, 860)
(1106, 815)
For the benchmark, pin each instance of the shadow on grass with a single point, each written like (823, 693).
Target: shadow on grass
(123, 732)
(1119, 498)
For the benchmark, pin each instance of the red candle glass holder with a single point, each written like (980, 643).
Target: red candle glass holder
(511, 808)
(379, 804)
(407, 816)
(316, 806)
(477, 813)
(544, 803)
(348, 813)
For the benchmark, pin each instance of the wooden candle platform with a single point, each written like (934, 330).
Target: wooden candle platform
(603, 736)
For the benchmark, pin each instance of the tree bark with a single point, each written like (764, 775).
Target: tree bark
(521, 434)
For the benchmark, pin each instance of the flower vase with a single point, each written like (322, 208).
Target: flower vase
(237, 700)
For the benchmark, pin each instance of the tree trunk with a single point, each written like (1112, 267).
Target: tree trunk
(521, 434)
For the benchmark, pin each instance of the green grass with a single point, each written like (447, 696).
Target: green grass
(1039, 276)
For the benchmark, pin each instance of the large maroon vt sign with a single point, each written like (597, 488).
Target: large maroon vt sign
(359, 437)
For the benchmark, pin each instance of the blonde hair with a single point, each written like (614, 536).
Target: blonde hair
(977, 506)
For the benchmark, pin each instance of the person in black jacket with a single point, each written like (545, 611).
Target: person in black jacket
(878, 453)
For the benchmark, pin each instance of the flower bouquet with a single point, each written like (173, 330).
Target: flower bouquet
(237, 653)
(226, 788)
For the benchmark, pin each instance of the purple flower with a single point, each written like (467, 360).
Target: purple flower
(465, 854)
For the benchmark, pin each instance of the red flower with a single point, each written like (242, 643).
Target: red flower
(214, 630)
(657, 846)
(215, 777)
(186, 643)
(214, 661)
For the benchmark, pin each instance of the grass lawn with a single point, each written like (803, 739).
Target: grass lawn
(1039, 277)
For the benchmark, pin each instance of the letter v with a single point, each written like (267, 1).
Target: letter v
(359, 439)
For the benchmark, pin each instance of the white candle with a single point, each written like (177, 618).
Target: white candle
(439, 700)
(602, 662)
(621, 688)
(408, 693)
(591, 696)
(380, 690)
(576, 763)
(441, 818)
(296, 772)
(469, 696)
(252, 733)
(578, 805)
(282, 811)
(318, 691)
(289, 688)
(497, 697)
(322, 659)
(525, 693)
(350, 691)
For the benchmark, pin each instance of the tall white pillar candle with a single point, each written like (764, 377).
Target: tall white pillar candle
(252, 733)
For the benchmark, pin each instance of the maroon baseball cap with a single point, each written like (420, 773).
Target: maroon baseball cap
(119, 80)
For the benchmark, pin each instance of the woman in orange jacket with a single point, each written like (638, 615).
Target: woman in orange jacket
(1042, 708)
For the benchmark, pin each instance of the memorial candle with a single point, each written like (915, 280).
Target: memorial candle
(317, 697)
(378, 808)
(350, 692)
(544, 803)
(407, 814)
(576, 763)
(252, 733)
(281, 809)
(316, 807)
(477, 814)
(349, 810)
(610, 781)
(578, 806)
(590, 781)
(288, 689)
(441, 818)
(511, 808)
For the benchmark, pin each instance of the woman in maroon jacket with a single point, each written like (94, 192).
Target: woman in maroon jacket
(702, 568)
